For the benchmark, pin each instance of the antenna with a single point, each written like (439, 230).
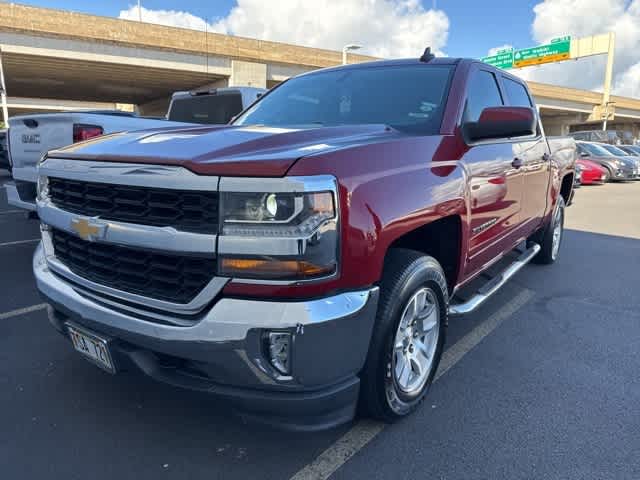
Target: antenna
(427, 56)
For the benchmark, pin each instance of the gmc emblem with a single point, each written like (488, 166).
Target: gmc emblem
(33, 138)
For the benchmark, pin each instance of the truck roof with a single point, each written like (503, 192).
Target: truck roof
(415, 61)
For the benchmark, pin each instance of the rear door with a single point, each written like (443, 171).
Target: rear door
(535, 157)
(496, 185)
(31, 136)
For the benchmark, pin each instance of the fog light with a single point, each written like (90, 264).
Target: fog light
(280, 351)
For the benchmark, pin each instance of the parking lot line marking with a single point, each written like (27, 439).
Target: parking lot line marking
(5, 212)
(23, 311)
(366, 430)
(19, 242)
(455, 353)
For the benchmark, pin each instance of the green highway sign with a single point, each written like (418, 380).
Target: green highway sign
(502, 59)
(558, 49)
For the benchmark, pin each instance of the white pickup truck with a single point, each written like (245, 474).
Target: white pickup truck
(31, 136)
(4, 154)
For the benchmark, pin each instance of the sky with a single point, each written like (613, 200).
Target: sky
(401, 28)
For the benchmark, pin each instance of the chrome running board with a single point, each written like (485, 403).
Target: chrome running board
(495, 283)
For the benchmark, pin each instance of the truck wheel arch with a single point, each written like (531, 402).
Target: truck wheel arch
(441, 239)
(566, 187)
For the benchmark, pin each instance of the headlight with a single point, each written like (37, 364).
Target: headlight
(278, 229)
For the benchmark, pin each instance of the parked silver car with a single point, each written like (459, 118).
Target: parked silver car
(620, 153)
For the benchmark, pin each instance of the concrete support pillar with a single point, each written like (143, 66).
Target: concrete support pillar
(248, 74)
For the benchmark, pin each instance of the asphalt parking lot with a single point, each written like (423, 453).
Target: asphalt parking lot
(541, 382)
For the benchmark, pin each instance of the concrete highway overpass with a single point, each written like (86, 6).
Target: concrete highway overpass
(56, 59)
(61, 55)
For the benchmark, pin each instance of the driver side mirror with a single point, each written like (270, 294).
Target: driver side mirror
(584, 154)
(501, 123)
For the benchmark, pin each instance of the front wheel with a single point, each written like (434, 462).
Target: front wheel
(408, 336)
(552, 237)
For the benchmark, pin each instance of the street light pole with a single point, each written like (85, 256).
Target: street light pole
(347, 48)
(608, 75)
(139, 12)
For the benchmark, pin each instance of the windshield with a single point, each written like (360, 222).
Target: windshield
(206, 109)
(410, 98)
(596, 150)
(615, 150)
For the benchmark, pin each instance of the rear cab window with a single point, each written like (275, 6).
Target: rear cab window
(516, 93)
(518, 96)
(215, 109)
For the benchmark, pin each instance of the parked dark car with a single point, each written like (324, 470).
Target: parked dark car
(633, 150)
(612, 137)
(618, 169)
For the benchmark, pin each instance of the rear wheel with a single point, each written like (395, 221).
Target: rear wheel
(408, 336)
(551, 239)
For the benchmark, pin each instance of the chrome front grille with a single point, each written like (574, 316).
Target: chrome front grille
(163, 276)
(185, 210)
(132, 261)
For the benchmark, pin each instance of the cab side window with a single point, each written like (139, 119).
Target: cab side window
(483, 92)
(517, 93)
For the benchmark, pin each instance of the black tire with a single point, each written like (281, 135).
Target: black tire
(547, 256)
(406, 272)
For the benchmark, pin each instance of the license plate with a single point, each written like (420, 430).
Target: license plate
(92, 347)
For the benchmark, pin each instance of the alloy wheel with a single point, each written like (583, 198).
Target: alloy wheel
(416, 341)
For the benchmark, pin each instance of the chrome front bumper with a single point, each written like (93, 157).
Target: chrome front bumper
(330, 335)
(13, 198)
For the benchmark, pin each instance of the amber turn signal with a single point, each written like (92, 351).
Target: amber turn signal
(271, 268)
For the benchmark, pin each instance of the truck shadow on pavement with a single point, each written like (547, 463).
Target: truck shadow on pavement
(85, 419)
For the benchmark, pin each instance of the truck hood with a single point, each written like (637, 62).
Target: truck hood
(225, 150)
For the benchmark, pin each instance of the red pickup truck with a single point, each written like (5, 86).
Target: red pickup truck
(304, 259)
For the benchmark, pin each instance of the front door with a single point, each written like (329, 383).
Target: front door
(534, 154)
(495, 177)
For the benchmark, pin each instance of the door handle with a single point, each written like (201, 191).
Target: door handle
(517, 163)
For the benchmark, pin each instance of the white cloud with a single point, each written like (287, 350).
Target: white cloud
(629, 82)
(581, 18)
(387, 28)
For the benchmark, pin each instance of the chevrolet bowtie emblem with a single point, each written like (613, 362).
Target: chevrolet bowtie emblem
(88, 230)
